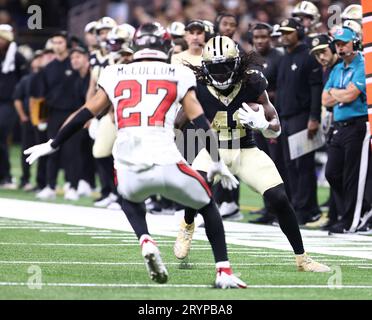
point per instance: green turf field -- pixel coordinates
(40, 260)
(77, 266)
(249, 200)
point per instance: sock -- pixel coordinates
(215, 231)
(278, 200)
(136, 215)
(190, 215)
(223, 264)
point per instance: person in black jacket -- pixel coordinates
(273, 147)
(12, 67)
(57, 84)
(299, 87)
(29, 134)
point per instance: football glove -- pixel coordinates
(255, 120)
(38, 151)
(228, 181)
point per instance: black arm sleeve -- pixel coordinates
(210, 144)
(74, 125)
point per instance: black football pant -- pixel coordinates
(8, 118)
(68, 156)
(88, 167)
(105, 169)
(300, 172)
(28, 139)
(343, 167)
(41, 174)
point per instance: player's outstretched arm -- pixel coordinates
(261, 116)
(75, 122)
(194, 112)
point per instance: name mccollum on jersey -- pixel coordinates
(137, 70)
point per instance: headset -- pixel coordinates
(357, 43)
(331, 44)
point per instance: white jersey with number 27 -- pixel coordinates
(145, 96)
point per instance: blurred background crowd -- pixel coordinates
(55, 68)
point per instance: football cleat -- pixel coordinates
(226, 280)
(305, 263)
(182, 245)
(153, 261)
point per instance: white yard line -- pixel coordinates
(106, 263)
(245, 234)
(164, 286)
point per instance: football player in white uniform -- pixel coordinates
(145, 96)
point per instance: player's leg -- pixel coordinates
(186, 186)
(135, 187)
(257, 170)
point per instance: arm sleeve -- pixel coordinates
(359, 79)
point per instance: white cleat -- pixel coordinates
(46, 194)
(305, 263)
(71, 194)
(153, 261)
(84, 189)
(230, 211)
(226, 280)
(105, 202)
(182, 245)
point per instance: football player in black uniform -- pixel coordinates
(234, 98)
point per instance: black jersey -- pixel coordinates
(98, 62)
(222, 111)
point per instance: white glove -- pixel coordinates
(254, 119)
(38, 151)
(228, 180)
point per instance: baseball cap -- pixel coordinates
(344, 34)
(290, 25)
(319, 42)
(80, 49)
(195, 24)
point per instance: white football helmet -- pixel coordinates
(105, 23)
(90, 27)
(353, 12)
(220, 61)
(306, 8)
(176, 29)
(119, 41)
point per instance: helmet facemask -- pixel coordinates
(221, 74)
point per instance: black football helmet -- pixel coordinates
(151, 41)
